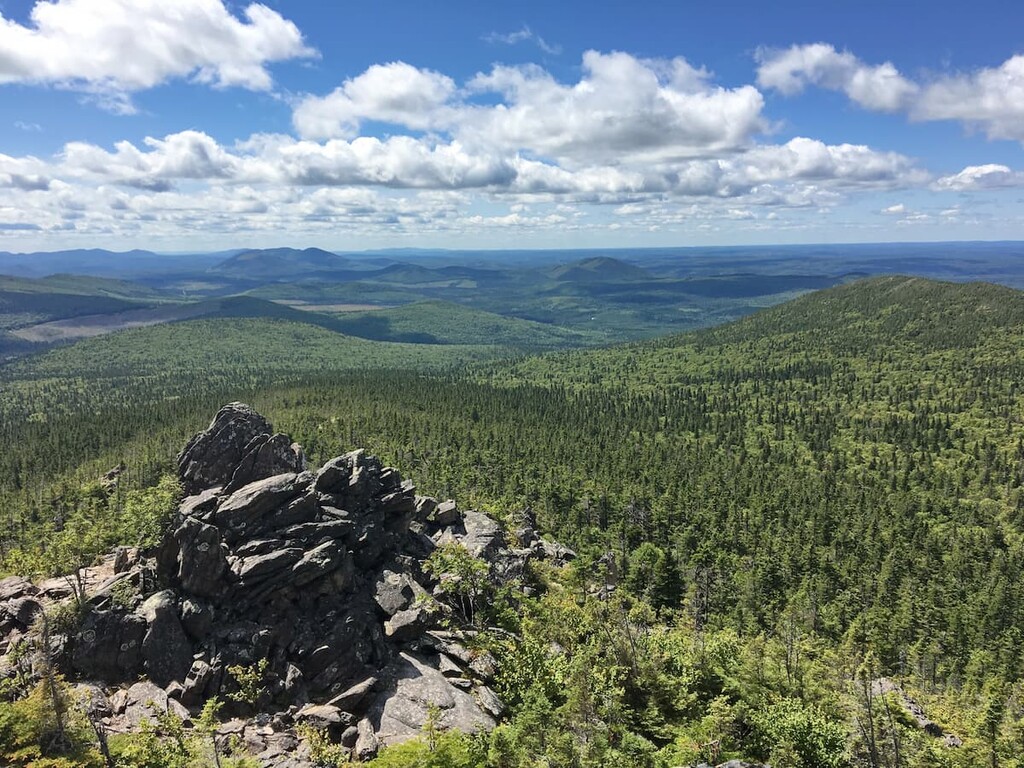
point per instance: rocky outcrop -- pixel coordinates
(317, 575)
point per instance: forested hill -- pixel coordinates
(794, 510)
(886, 310)
(884, 317)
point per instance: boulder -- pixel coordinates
(447, 513)
(212, 456)
(240, 515)
(252, 570)
(394, 592)
(166, 649)
(14, 586)
(318, 562)
(266, 456)
(483, 535)
(350, 699)
(22, 610)
(201, 561)
(412, 687)
(196, 682)
(196, 618)
(408, 624)
(108, 646)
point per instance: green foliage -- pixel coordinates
(45, 729)
(463, 578)
(790, 731)
(450, 749)
(251, 681)
(322, 751)
(165, 742)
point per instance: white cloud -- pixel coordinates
(111, 48)
(623, 109)
(525, 34)
(873, 87)
(991, 100)
(392, 93)
(989, 176)
(988, 99)
(895, 210)
(814, 161)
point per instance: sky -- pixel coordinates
(206, 124)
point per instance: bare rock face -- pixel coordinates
(237, 448)
(318, 573)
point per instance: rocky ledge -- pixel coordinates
(314, 581)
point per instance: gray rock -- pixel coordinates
(108, 646)
(258, 547)
(22, 610)
(266, 456)
(201, 561)
(349, 737)
(321, 716)
(196, 681)
(201, 503)
(144, 700)
(212, 456)
(125, 558)
(408, 624)
(483, 536)
(166, 649)
(394, 592)
(425, 507)
(251, 570)
(240, 515)
(304, 509)
(447, 666)
(413, 687)
(318, 562)
(14, 586)
(351, 698)
(367, 744)
(318, 531)
(196, 619)
(489, 702)
(447, 513)
(334, 475)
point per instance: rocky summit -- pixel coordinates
(312, 585)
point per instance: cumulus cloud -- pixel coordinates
(622, 109)
(395, 93)
(879, 87)
(988, 99)
(656, 141)
(113, 47)
(989, 176)
(991, 100)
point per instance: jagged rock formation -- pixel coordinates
(319, 573)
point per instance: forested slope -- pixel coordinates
(828, 486)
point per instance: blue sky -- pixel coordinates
(202, 125)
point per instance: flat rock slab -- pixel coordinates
(413, 686)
